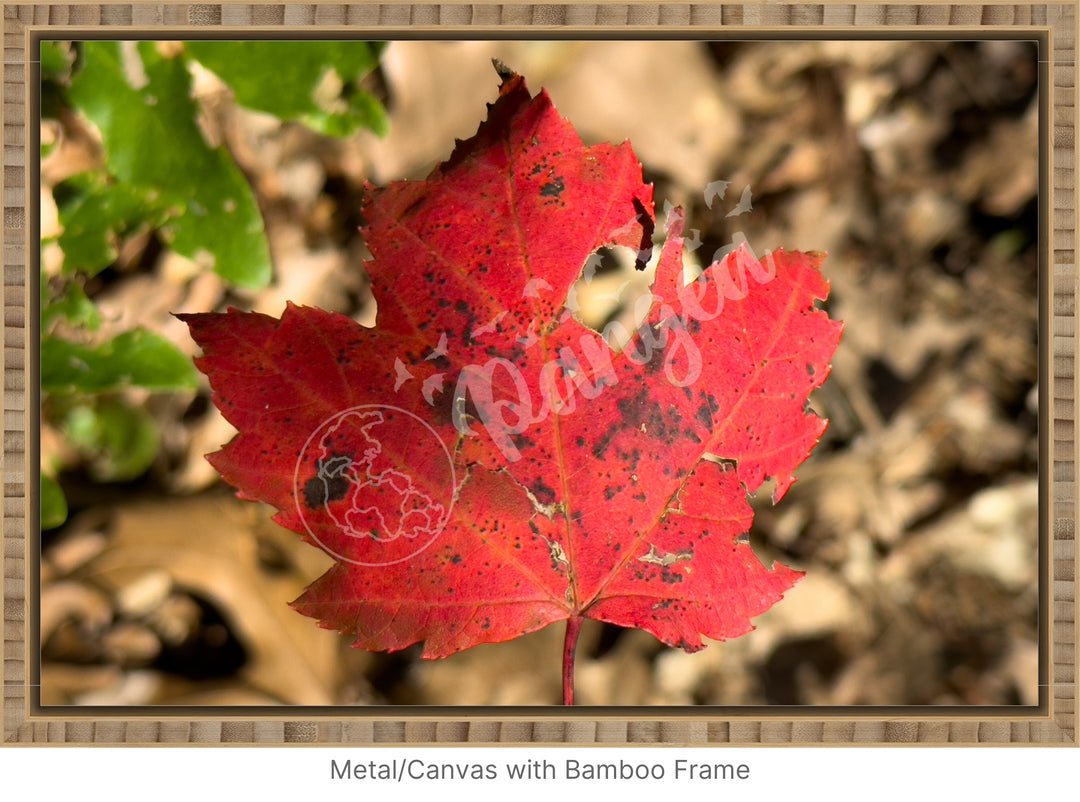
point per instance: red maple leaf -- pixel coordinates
(480, 463)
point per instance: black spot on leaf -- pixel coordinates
(553, 188)
(543, 493)
(328, 484)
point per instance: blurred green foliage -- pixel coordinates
(97, 214)
(136, 358)
(311, 82)
(141, 102)
(161, 176)
(118, 439)
(54, 508)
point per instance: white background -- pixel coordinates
(776, 773)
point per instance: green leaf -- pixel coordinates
(119, 440)
(70, 304)
(96, 214)
(137, 358)
(312, 82)
(54, 509)
(55, 59)
(141, 102)
(364, 111)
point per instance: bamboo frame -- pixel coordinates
(1054, 721)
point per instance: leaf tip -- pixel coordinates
(505, 73)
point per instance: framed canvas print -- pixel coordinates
(413, 373)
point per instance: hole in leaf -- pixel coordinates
(611, 296)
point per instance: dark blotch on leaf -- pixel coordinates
(602, 444)
(441, 361)
(315, 493)
(522, 442)
(543, 493)
(704, 414)
(553, 188)
(632, 411)
(328, 484)
(671, 577)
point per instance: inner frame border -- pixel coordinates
(1052, 721)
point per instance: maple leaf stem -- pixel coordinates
(573, 629)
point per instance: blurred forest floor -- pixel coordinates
(913, 164)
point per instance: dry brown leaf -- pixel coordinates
(209, 545)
